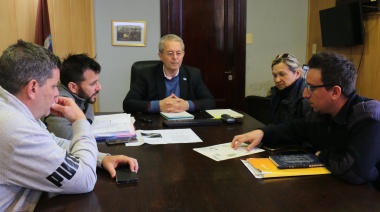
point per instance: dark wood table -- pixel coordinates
(174, 177)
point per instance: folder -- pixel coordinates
(267, 169)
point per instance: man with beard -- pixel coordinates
(79, 81)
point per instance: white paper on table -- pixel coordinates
(139, 142)
(224, 151)
(169, 136)
(114, 124)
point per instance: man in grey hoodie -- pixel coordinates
(32, 160)
(80, 82)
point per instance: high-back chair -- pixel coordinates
(257, 107)
(141, 65)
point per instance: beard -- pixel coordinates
(88, 98)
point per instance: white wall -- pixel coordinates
(116, 61)
(277, 26)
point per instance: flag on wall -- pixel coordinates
(43, 34)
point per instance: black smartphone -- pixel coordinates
(121, 141)
(125, 175)
(228, 119)
(279, 147)
(146, 120)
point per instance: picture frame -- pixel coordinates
(128, 33)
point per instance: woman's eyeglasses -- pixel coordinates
(284, 56)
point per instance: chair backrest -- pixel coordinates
(258, 107)
(141, 65)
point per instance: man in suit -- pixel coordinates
(169, 86)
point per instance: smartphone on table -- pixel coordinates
(121, 140)
(125, 175)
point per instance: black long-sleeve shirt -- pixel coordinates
(349, 143)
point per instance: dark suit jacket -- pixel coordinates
(150, 85)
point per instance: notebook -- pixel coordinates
(296, 161)
(177, 116)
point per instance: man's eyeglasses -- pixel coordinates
(310, 88)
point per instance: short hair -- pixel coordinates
(171, 37)
(290, 60)
(74, 66)
(335, 70)
(22, 62)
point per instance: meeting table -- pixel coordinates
(174, 177)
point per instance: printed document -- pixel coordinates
(225, 151)
(169, 136)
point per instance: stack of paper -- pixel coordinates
(177, 116)
(113, 126)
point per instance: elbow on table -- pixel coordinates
(90, 183)
(84, 186)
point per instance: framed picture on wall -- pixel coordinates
(128, 33)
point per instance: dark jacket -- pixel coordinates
(150, 85)
(349, 143)
(288, 104)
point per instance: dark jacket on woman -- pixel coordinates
(288, 104)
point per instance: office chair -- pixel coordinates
(141, 65)
(257, 107)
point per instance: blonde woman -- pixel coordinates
(287, 101)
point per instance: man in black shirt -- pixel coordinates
(343, 128)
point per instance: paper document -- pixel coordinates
(217, 113)
(169, 136)
(115, 125)
(139, 142)
(225, 151)
(257, 173)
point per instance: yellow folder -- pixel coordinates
(268, 169)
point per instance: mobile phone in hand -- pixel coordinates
(125, 175)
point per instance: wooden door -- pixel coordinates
(214, 35)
